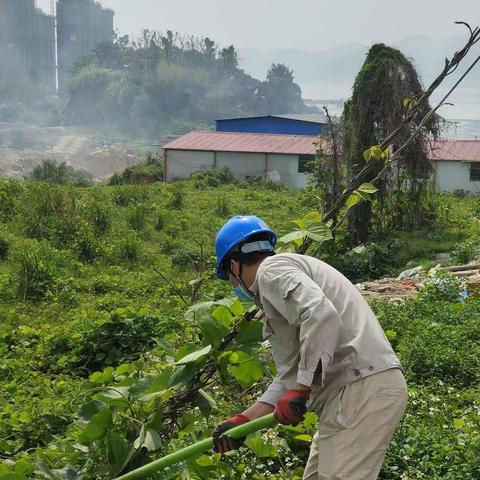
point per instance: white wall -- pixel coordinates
(453, 175)
(283, 168)
(287, 167)
(182, 163)
(242, 164)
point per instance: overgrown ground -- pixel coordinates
(94, 287)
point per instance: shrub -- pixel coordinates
(222, 208)
(462, 193)
(100, 216)
(440, 286)
(177, 199)
(361, 263)
(61, 174)
(39, 266)
(137, 216)
(9, 192)
(86, 246)
(116, 179)
(49, 212)
(4, 248)
(213, 178)
(160, 222)
(465, 251)
(130, 248)
(126, 195)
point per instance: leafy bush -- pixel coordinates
(178, 197)
(126, 195)
(137, 216)
(10, 190)
(86, 246)
(61, 174)
(129, 248)
(440, 286)
(462, 193)
(465, 251)
(4, 248)
(50, 212)
(100, 216)
(213, 178)
(160, 222)
(39, 266)
(362, 263)
(222, 208)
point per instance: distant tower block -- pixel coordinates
(81, 26)
(27, 45)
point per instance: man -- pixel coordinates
(330, 351)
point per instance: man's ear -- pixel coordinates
(235, 267)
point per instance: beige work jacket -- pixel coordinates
(322, 332)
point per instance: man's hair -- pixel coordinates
(248, 258)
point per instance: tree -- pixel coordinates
(228, 60)
(283, 95)
(384, 90)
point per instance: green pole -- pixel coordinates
(202, 446)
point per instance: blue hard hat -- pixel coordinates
(237, 230)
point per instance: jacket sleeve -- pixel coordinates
(303, 304)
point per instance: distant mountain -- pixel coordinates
(338, 66)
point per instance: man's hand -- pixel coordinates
(291, 408)
(222, 443)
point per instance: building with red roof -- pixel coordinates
(457, 165)
(282, 158)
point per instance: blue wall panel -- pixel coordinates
(270, 125)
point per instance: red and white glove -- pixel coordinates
(291, 407)
(223, 443)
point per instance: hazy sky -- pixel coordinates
(305, 24)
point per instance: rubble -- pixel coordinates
(410, 281)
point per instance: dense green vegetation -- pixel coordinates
(98, 333)
(155, 84)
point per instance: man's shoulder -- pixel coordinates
(284, 262)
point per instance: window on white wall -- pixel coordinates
(303, 161)
(475, 172)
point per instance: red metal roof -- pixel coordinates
(245, 142)
(458, 150)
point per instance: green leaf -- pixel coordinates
(303, 438)
(292, 236)
(458, 422)
(204, 402)
(406, 102)
(319, 232)
(182, 376)
(367, 188)
(260, 447)
(367, 155)
(352, 200)
(249, 331)
(115, 397)
(213, 329)
(152, 440)
(88, 411)
(391, 334)
(312, 217)
(246, 369)
(195, 356)
(223, 315)
(154, 387)
(119, 452)
(97, 427)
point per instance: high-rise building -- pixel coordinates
(27, 44)
(81, 25)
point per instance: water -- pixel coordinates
(463, 116)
